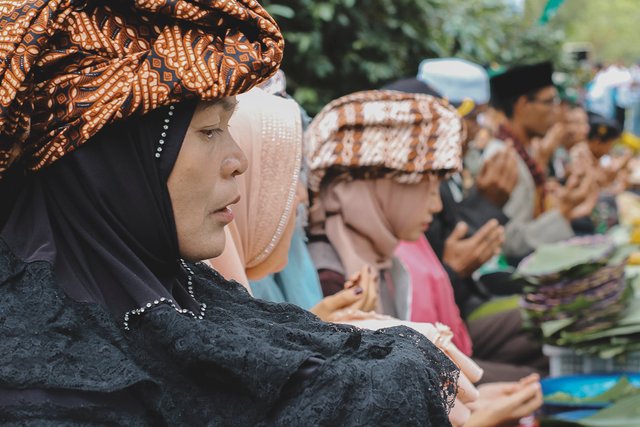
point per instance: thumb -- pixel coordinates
(344, 298)
(460, 231)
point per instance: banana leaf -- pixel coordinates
(552, 327)
(549, 261)
(624, 413)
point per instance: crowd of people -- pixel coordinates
(182, 244)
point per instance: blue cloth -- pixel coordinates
(297, 284)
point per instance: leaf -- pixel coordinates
(624, 413)
(281, 10)
(324, 11)
(552, 327)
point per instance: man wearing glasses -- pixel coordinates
(528, 106)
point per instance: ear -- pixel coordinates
(521, 104)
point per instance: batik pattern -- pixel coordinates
(69, 67)
(384, 133)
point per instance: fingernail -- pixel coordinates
(358, 290)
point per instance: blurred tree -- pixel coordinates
(609, 25)
(335, 47)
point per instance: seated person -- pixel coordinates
(526, 97)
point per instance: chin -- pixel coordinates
(209, 248)
(412, 237)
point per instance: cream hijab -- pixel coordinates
(361, 218)
(268, 129)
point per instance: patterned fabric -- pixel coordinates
(538, 175)
(384, 134)
(70, 67)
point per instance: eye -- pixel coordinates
(211, 133)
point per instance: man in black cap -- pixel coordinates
(527, 99)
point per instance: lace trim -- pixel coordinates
(168, 301)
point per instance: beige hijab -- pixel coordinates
(358, 149)
(268, 129)
(361, 218)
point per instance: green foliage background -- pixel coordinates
(611, 26)
(335, 47)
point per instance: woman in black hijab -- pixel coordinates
(106, 319)
(102, 320)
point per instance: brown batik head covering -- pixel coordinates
(383, 133)
(70, 67)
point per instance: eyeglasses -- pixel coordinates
(549, 102)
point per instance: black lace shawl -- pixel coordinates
(244, 364)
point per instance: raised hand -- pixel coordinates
(466, 255)
(543, 148)
(579, 196)
(499, 176)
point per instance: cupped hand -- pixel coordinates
(499, 176)
(503, 404)
(360, 295)
(579, 195)
(466, 255)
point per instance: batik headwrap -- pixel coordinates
(383, 134)
(69, 67)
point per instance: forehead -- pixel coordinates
(548, 91)
(226, 104)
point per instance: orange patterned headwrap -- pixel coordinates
(70, 67)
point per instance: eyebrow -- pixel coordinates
(227, 104)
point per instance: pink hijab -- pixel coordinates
(268, 129)
(432, 293)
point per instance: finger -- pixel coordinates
(371, 277)
(486, 230)
(484, 170)
(531, 404)
(513, 165)
(502, 165)
(459, 414)
(344, 298)
(372, 301)
(527, 393)
(529, 379)
(467, 366)
(466, 391)
(353, 280)
(460, 231)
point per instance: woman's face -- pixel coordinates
(411, 213)
(202, 183)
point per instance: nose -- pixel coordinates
(236, 162)
(436, 203)
(436, 200)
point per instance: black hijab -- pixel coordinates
(103, 218)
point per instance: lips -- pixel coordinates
(225, 214)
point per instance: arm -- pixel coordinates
(523, 237)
